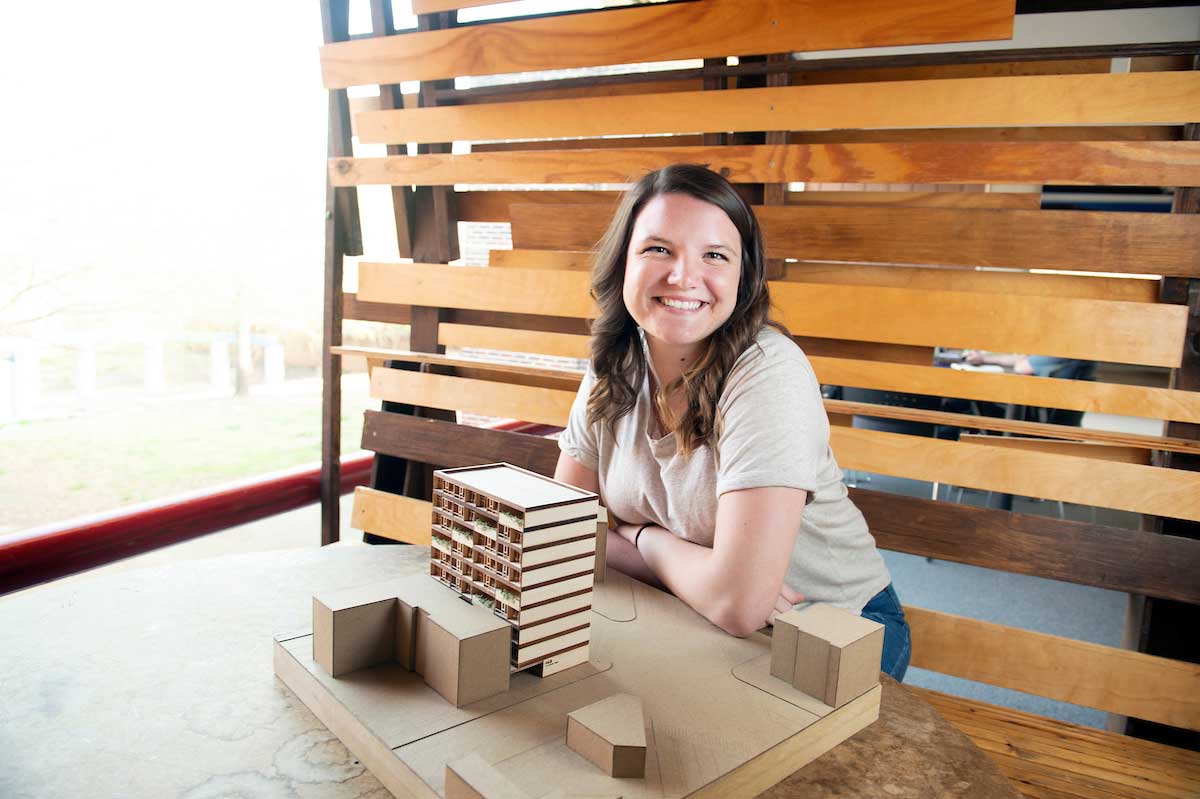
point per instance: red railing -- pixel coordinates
(33, 556)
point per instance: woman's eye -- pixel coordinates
(715, 254)
(655, 249)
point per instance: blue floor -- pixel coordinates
(1032, 603)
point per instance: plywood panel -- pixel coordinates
(1089, 163)
(1084, 481)
(1092, 241)
(1115, 680)
(391, 516)
(1150, 98)
(657, 33)
(1046, 392)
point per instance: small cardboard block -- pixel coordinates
(612, 734)
(837, 653)
(472, 777)
(354, 628)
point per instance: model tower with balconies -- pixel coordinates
(524, 546)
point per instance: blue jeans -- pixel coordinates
(885, 608)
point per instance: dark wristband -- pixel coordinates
(638, 534)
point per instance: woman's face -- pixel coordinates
(682, 270)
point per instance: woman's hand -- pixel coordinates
(786, 600)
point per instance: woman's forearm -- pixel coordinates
(691, 572)
(620, 555)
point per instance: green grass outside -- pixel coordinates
(51, 470)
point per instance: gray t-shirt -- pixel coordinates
(775, 433)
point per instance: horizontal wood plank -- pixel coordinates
(1134, 561)
(492, 206)
(1115, 680)
(1091, 241)
(1017, 427)
(562, 345)
(526, 403)
(576, 260)
(1089, 163)
(1083, 449)
(712, 28)
(1137, 333)
(1149, 98)
(391, 516)
(1084, 481)
(1028, 200)
(1044, 392)
(1085, 133)
(449, 445)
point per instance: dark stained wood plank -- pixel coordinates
(714, 28)
(447, 445)
(1139, 243)
(1077, 552)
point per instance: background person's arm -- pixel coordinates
(738, 584)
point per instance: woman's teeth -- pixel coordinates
(687, 306)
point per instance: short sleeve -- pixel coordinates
(579, 438)
(774, 430)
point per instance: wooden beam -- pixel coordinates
(449, 445)
(1091, 241)
(657, 33)
(1149, 98)
(492, 206)
(1101, 677)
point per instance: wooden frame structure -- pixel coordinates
(869, 280)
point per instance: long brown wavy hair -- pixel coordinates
(617, 358)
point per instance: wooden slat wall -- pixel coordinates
(913, 285)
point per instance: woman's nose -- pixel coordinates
(682, 272)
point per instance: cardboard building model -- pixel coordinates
(524, 547)
(828, 653)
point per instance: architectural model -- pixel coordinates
(828, 653)
(612, 734)
(524, 547)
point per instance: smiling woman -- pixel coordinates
(700, 423)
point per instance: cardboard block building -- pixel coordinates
(523, 546)
(828, 653)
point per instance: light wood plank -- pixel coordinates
(1114, 680)
(1084, 449)
(1091, 241)
(1089, 163)
(392, 516)
(1083, 481)
(713, 28)
(492, 206)
(1150, 98)
(534, 291)
(1043, 392)
(1077, 434)
(563, 345)
(986, 281)
(578, 261)
(1030, 134)
(527, 403)
(1136, 333)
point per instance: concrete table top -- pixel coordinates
(159, 682)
